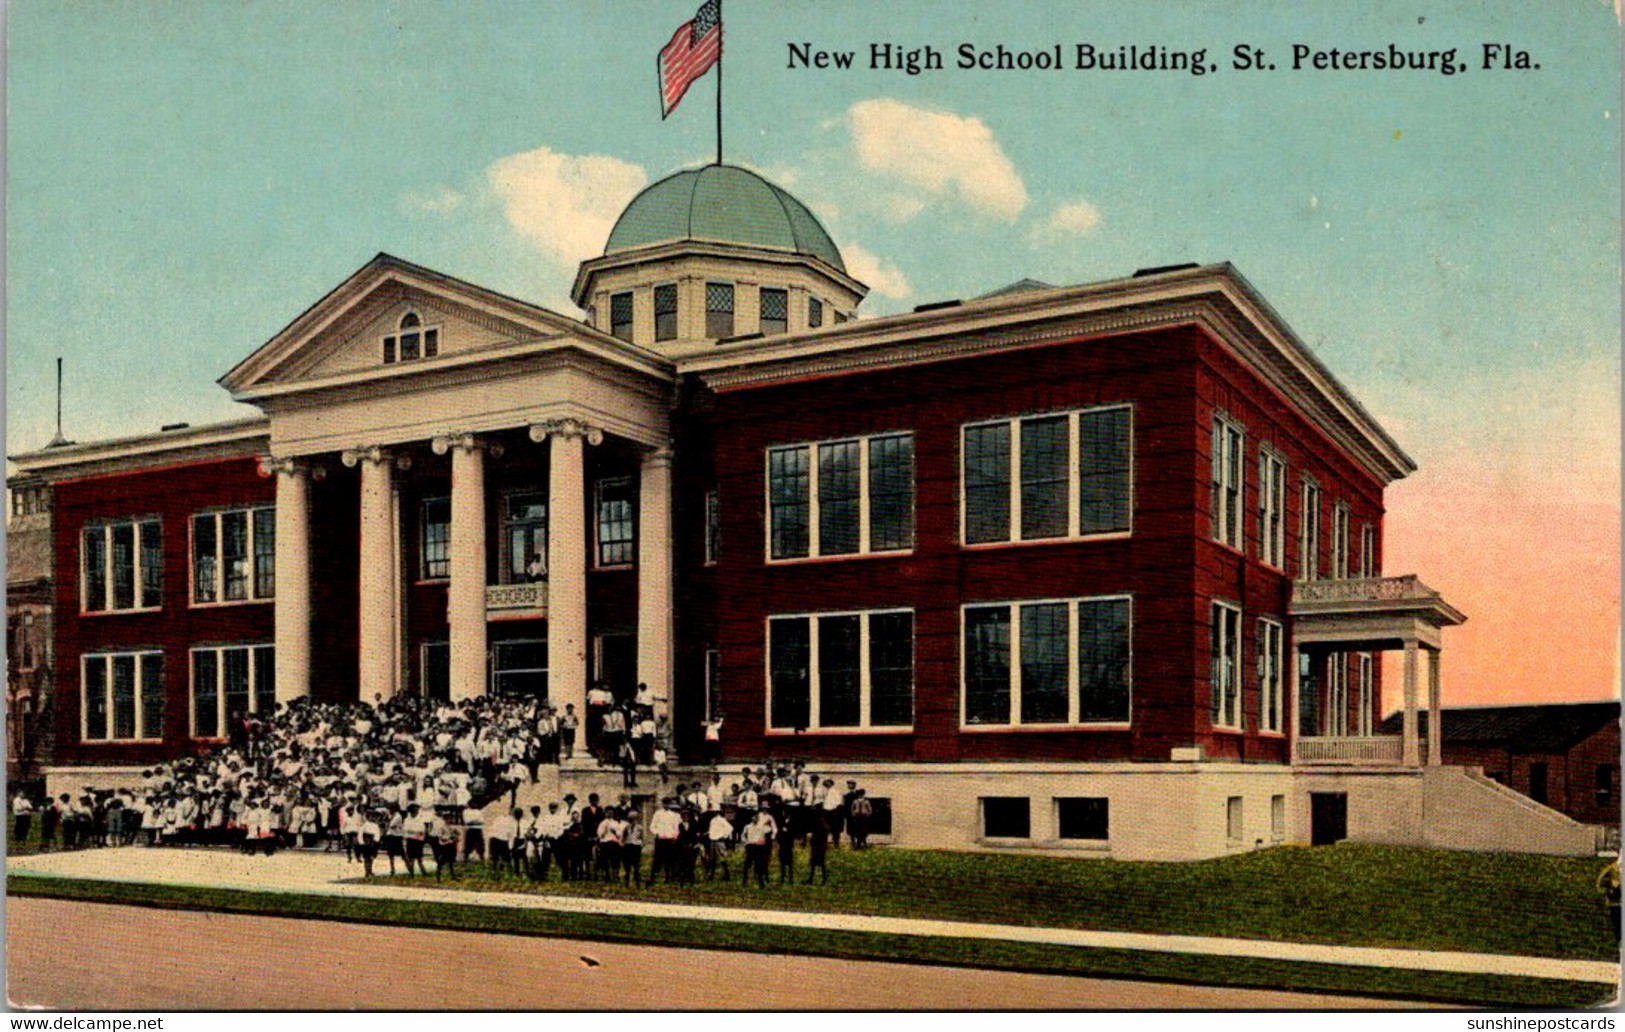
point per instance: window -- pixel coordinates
(1271, 640)
(775, 310)
(122, 697)
(122, 566)
(1054, 663)
(617, 535)
(1367, 687)
(1309, 532)
(841, 317)
(815, 313)
(1277, 818)
(1227, 486)
(1083, 817)
(1065, 475)
(666, 312)
(1272, 509)
(713, 684)
(1309, 724)
(1368, 551)
(1340, 541)
(229, 682)
(857, 498)
(519, 668)
(234, 555)
(719, 310)
(411, 340)
(620, 315)
(525, 530)
(1007, 817)
(713, 527)
(841, 670)
(1337, 694)
(436, 536)
(1233, 819)
(1605, 784)
(1226, 666)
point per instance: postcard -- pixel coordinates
(686, 506)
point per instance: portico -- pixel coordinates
(1332, 618)
(479, 477)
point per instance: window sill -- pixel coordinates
(431, 582)
(231, 603)
(1225, 729)
(614, 568)
(121, 741)
(1272, 734)
(120, 612)
(1044, 728)
(990, 546)
(811, 731)
(896, 553)
(1232, 549)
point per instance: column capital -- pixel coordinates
(271, 466)
(661, 455)
(376, 455)
(566, 428)
(464, 441)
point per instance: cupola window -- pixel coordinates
(719, 310)
(666, 312)
(775, 310)
(620, 316)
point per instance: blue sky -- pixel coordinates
(186, 177)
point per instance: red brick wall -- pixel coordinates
(1225, 386)
(173, 495)
(1155, 372)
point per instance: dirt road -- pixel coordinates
(74, 955)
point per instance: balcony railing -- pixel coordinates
(1375, 749)
(513, 600)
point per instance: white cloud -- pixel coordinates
(938, 153)
(439, 200)
(1073, 219)
(883, 279)
(564, 204)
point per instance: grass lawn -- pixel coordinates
(1352, 895)
(1472, 990)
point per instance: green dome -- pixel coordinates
(722, 204)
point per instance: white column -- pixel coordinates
(378, 610)
(465, 595)
(1435, 716)
(1411, 755)
(1294, 728)
(655, 575)
(291, 613)
(567, 563)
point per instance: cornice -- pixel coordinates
(1215, 298)
(245, 437)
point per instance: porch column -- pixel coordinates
(465, 594)
(1410, 756)
(655, 575)
(1435, 717)
(379, 612)
(1294, 725)
(291, 613)
(567, 561)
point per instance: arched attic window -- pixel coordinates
(412, 340)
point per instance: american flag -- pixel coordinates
(692, 51)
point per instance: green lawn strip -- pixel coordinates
(1396, 984)
(1348, 895)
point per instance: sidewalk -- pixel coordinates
(320, 874)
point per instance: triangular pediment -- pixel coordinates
(358, 329)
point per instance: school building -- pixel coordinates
(1091, 569)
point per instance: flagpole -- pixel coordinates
(720, 42)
